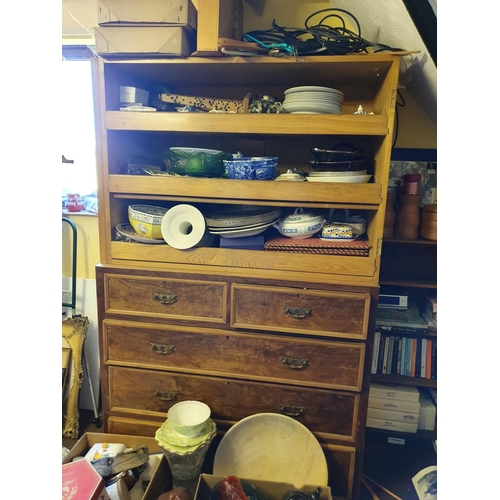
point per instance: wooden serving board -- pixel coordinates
(209, 103)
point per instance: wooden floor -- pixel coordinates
(390, 465)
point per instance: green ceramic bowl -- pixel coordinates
(196, 162)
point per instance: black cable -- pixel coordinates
(321, 38)
(396, 118)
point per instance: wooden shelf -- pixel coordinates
(410, 283)
(403, 380)
(366, 196)
(399, 241)
(276, 124)
(420, 434)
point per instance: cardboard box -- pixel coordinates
(428, 412)
(144, 41)
(217, 19)
(161, 481)
(398, 416)
(267, 489)
(401, 392)
(394, 404)
(80, 481)
(391, 425)
(146, 12)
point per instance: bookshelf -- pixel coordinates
(412, 265)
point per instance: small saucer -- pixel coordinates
(336, 239)
(170, 437)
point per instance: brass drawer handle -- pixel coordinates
(165, 299)
(162, 349)
(295, 363)
(165, 396)
(298, 313)
(292, 411)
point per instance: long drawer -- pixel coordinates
(153, 392)
(340, 459)
(179, 299)
(307, 312)
(287, 360)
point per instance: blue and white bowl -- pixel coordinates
(252, 168)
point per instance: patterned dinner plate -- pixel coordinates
(125, 232)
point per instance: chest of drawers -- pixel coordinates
(251, 346)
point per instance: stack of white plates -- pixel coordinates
(242, 221)
(313, 100)
(356, 177)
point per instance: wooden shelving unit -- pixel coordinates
(230, 320)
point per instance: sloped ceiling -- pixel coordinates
(382, 21)
(389, 22)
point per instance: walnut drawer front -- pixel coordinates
(152, 392)
(314, 363)
(308, 312)
(179, 299)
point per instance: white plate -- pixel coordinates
(312, 89)
(361, 179)
(319, 108)
(127, 231)
(242, 218)
(271, 447)
(183, 226)
(345, 173)
(319, 97)
(239, 233)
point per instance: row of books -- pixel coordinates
(396, 354)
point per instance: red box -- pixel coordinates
(80, 481)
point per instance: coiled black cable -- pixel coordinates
(320, 38)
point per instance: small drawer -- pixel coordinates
(307, 312)
(174, 299)
(314, 363)
(152, 392)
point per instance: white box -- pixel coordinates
(428, 412)
(146, 13)
(392, 425)
(394, 404)
(398, 416)
(130, 95)
(401, 392)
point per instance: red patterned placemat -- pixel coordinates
(358, 247)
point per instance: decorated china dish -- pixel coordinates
(146, 219)
(242, 218)
(125, 232)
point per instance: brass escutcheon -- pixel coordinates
(164, 299)
(292, 411)
(166, 396)
(295, 363)
(162, 349)
(297, 312)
